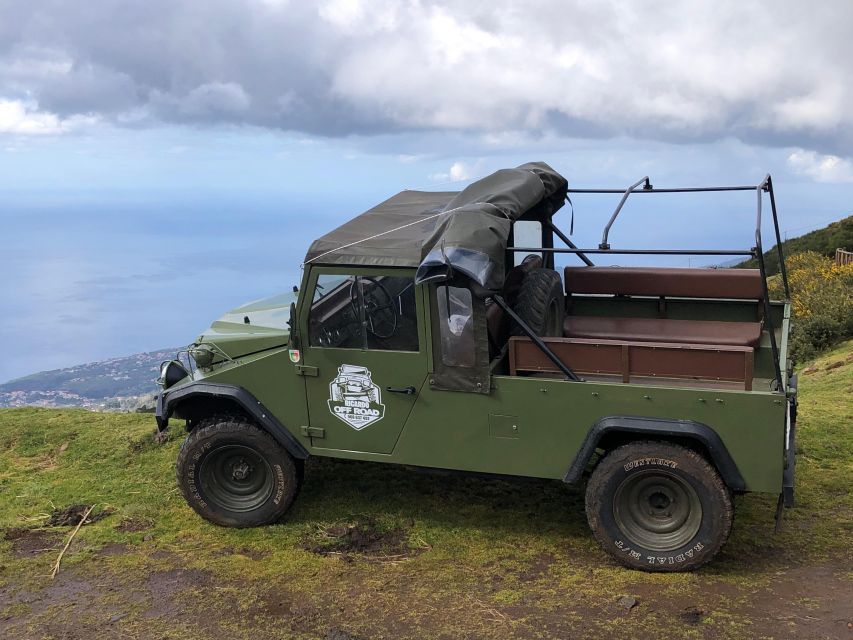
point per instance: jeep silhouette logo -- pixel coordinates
(354, 398)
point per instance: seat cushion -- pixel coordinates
(738, 334)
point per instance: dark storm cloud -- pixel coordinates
(698, 71)
(186, 62)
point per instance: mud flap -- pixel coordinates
(786, 498)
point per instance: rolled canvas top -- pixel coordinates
(443, 232)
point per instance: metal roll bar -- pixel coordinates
(757, 252)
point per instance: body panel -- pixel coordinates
(525, 426)
(270, 377)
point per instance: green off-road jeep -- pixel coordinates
(434, 331)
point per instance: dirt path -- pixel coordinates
(165, 596)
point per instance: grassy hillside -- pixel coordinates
(373, 552)
(824, 241)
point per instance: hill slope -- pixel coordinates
(467, 557)
(116, 384)
(825, 241)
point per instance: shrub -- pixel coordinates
(822, 301)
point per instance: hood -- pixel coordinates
(266, 327)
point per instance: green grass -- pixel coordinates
(484, 558)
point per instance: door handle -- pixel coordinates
(409, 391)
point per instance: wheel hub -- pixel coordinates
(236, 477)
(241, 470)
(659, 502)
(657, 510)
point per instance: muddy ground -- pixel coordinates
(144, 591)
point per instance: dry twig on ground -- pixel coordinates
(68, 542)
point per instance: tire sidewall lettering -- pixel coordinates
(650, 462)
(638, 554)
(279, 484)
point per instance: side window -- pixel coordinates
(526, 233)
(334, 318)
(456, 325)
(364, 312)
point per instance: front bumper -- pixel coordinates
(160, 413)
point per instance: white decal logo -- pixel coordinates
(354, 398)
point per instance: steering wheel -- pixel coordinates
(379, 309)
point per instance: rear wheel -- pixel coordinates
(540, 303)
(236, 475)
(658, 506)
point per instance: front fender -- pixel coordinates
(170, 399)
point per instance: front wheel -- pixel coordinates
(658, 506)
(234, 474)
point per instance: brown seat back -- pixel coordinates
(742, 284)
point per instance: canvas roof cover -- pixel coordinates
(440, 233)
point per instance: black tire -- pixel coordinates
(540, 303)
(236, 475)
(658, 506)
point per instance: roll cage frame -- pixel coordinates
(757, 251)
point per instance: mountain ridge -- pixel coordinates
(835, 235)
(125, 383)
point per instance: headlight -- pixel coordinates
(171, 372)
(202, 355)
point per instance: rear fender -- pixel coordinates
(640, 428)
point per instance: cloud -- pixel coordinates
(821, 168)
(458, 172)
(21, 118)
(687, 72)
(216, 97)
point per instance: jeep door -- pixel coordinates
(364, 356)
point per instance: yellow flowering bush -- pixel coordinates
(822, 301)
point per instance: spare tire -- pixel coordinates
(540, 303)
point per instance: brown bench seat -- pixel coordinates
(737, 334)
(663, 283)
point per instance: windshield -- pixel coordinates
(328, 284)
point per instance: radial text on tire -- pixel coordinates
(658, 506)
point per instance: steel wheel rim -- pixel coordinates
(236, 478)
(657, 510)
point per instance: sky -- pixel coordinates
(162, 162)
